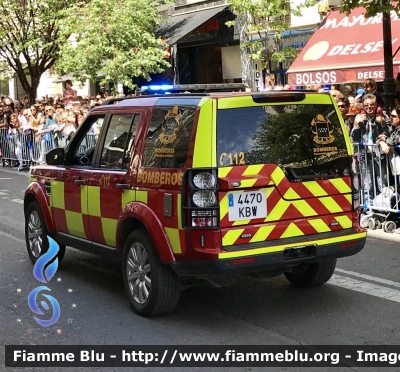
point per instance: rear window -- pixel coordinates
(306, 141)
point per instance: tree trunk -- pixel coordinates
(32, 91)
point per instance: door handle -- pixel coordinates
(80, 182)
(123, 186)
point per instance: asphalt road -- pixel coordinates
(360, 305)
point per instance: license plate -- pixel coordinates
(247, 205)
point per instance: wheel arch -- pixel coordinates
(35, 193)
(139, 215)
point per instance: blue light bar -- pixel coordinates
(163, 87)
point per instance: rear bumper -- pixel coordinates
(267, 262)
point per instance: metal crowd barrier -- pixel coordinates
(380, 190)
(22, 150)
(380, 173)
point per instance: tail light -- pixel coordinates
(356, 181)
(200, 198)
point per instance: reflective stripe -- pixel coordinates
(223, 172)
(277, 248)
(75, 224)
(319, 225)
(127, 197)
(291, 231)
(173, 236)
(278, 211)
(340, 185)
(315, 188)
(262, 233)
(277, 176)
(253, 170)
(84, 200)
(231, 236)
(57, 195)
(223, 207)
(344, 221)
(141, 196)
(330, 204)
(94, 201)
(109, 226)
(205, 152)
(291, 194)
(304, 208)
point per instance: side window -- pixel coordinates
(83, 144)
(118, 145)
(168, 138)
(90, 139)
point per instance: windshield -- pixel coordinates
(306, 141)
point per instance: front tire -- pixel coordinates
(312, 275)
(152, 287)
(36, 234)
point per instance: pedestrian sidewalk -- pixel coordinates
(380, 234)
(377, 234)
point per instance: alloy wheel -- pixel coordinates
(35, 234)
(139, 273)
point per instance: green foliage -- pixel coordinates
(372, 7)
(30, 39)
(114, 40)
(265, 24)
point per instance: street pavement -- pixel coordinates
(358, 306)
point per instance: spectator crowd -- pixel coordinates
(37, 128)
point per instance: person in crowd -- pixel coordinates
(336, 94)
(14, 122)
(350, 118)
(371, 88)
(69, 128)
(343, 104)
(85, 110)
(34, 118)
(70, 95)
(394, 137)
(352, 99)
(359, 99)
(368, 129)
(79, 119)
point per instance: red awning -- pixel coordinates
(345, 49)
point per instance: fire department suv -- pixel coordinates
(205, 186)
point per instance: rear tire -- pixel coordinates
(152, 287)
(36, 236)
(312, 275)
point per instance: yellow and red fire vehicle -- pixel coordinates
(205, 186)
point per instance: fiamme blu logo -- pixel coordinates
(44, 269)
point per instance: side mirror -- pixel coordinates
(55, 156)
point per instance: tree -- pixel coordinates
(114, 40)
(266, 19)
(30, 39)
(372, 7)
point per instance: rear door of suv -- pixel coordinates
(284, 169)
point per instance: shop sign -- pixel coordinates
(339, 76)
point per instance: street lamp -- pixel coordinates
(389, 84)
